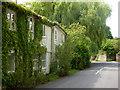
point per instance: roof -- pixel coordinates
(60, 28)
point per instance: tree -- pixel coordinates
(111, 47)
(108, 34)
(63, 55)
(92, 15)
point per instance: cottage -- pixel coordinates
(25, 35)
(52, 36)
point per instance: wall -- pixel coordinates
(46, 41)
(102, 57)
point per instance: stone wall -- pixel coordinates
(102, 57)
(117, 57)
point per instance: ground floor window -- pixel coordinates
(35, 59)
(11, 61)
(44, 61)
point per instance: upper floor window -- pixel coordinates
(31, 24)
(43, 30)
(63, 38)
(11, 20)
(56, 37)
(31, 27)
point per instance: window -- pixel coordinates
(11, 20)
(35, 59)
(31, 27)
(56, 36)
(11, 62)
(63, 38)
(43, 30)
(44, 61)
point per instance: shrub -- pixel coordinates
(52, 77)
(119, 53)
(109, 59)
(81, 57)
(63, 57)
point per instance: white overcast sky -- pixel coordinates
(112, 21)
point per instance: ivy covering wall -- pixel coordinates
(24, 75)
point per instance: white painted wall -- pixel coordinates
(50, 43)
(61, 35)
(46, 41)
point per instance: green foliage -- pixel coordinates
(41, 78)
(81, 57)
(63, 55)
(72, 71)
(24, 50)
(119, 53)
(92, 15)
(52, 77)
(111, 47)
(9, 79)
(108, 33)
(109, 59)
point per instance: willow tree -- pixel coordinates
(92, 15)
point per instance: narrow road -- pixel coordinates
(99, 75)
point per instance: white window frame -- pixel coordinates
(12, 51)
(45, 62)
(10, 21)
(31, 31)
(44, 31)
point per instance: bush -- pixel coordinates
(119, 53)
(109, 59)
(81, 57)
(41, 78)
(52, 77)
(63, 57)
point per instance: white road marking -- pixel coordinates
(99, 70)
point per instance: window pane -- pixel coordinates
(63, 38)
(43, 30)
(8, 16)
(30, 26)
(35, 56)
(30, 19)
(35, 59)
(43, 56)
(11, 62)
(43, 64)
(35, 65)
(8, 24)
(55, 34)
(13, 26)
(12, 17)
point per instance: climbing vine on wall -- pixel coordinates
(24, 49)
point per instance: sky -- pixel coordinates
(112, 21)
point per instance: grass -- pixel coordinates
(72, 71)
(52, 77)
